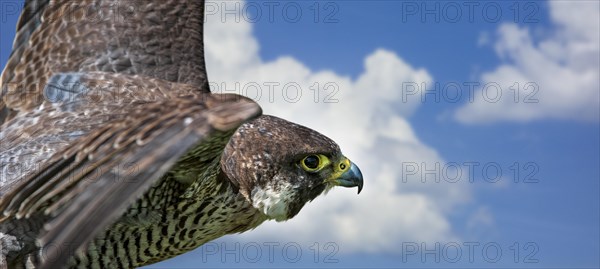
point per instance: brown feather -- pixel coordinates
(102, 35)
(149, 125)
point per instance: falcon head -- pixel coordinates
(279, 166)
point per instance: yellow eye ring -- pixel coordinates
(314, 162)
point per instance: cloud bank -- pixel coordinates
(367, 117)
(557, 77)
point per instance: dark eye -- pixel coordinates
(311, 161)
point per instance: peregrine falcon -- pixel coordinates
(114, 153)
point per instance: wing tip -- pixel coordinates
(228, 111)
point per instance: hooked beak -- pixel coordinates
(350, 178)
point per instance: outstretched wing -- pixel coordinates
(81, 184)
(93, 85)
(160, 39)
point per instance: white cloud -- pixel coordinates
(563, 66)
(368, 121)
(480, 224)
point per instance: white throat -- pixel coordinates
(273, 203)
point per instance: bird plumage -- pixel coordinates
(116, 154)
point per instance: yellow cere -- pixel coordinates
(339, 168)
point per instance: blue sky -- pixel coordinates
(554, 144)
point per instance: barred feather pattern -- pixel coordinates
(169, 220)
